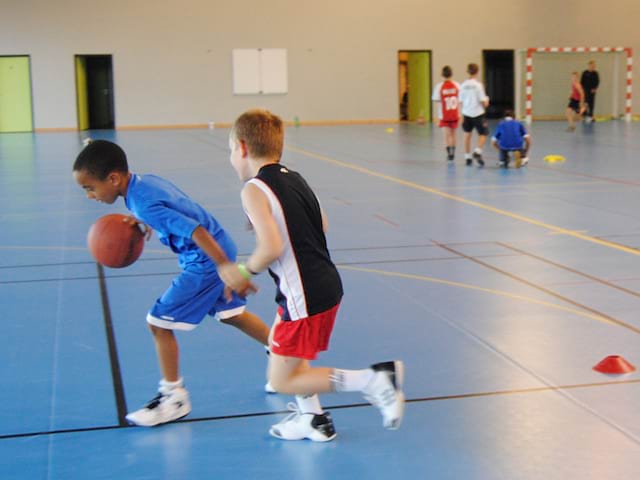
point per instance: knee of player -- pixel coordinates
(160, 332)
(230, 320)
(280, 384)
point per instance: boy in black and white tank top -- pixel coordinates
(289, 225)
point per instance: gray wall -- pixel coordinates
(172, 59)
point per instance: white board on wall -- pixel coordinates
(260, 71)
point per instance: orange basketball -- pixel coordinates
(113, 242)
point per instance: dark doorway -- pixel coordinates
(499, 78)
(94, 86)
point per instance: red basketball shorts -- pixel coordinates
(453, 124)
(305, 337)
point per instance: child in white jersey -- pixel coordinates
(474, 101)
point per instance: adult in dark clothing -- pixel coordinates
(590, 81)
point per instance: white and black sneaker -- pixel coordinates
(478, 158)
(300, 426)
(166, 406)
(385, 392)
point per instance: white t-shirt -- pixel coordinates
(472, 95)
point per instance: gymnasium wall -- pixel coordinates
(172, 60)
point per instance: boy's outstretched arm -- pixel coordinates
(208, 244)
(269, 244)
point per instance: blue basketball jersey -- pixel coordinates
(174, 216)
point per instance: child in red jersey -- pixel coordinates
(446, 94)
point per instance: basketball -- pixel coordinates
(113, 242)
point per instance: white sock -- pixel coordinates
(351, 380)
(478, 150)
(167, 386)
(467, 156)
(309, 404)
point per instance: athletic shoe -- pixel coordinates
(268, 388)
(298, 426)
(385, 392)
(503, 165)
(468, 162)
(165, 407)
(524, 161)
(450, 157)
(478, 158)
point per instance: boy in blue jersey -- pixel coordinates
(289, 226)
(202, 245)
(511, 136)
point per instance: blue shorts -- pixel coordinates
(190, 298)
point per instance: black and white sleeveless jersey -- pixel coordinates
(307, 280)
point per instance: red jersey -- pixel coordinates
(575, 92)
(449, 93)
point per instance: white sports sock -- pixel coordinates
(166, 386)
(351, 380)
(478, 150)
(309, 404)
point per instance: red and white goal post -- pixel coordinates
(529, 77)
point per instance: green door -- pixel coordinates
(419, 79)
(82, 98)
(15, 95)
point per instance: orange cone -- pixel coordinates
(614, 364)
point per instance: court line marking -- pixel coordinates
(495, 393)
(569, 269)
(114, 361)
(512, 276)
(515, 296)
(435, 191)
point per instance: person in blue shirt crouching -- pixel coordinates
(511, 137)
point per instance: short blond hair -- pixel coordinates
(262, 132)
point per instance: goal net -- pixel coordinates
(545, 81)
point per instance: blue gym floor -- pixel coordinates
(500, 290)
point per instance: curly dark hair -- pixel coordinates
(101, 157)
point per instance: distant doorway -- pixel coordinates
(16, 111)
(94, 92)
(499, 79)
(414, 85)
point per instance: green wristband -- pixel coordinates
(244, 271)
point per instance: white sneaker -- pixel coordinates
(268, 388)
(298, 426)
(524, 160)
(165, 407)
(385, 392)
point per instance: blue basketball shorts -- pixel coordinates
(190, 298)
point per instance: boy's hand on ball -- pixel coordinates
(146, 230)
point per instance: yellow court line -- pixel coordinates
(456, 198)
(514, 296)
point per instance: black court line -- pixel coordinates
(569, 269)
(172, 257)
(611, 319)
(460, 396)
(176, 272)
(85, 262)
(118, 388)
